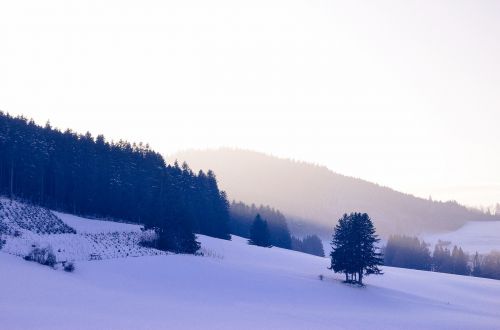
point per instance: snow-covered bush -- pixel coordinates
(69, 267)
(44, 256)
(148, 238)
(204, 252)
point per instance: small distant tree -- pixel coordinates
(354, 249)
(490, 267)
(460, 261)
(442, 261)
(259, 232)
(476, 265)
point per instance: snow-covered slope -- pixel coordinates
(70, 237)
(237, 286)
(21, 217)
(477, 236)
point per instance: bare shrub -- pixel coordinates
(69, 267)
(43, 256)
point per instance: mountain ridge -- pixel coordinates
(320, 196)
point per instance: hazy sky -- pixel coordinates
(402, 93)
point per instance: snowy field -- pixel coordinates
(480, 236)
(233, 286)
(237, 286)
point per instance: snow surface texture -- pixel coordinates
(237, 286)
(71, 238)
(478, 236)
(16, 216)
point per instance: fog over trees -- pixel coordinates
(242, 217)
(321, 196)
(411, 252)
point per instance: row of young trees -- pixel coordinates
(90, 176)
(411, 252)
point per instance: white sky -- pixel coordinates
(402, 93)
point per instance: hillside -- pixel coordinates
(237, 286)
(477, 236)
(71, 238)
(87, 175)
(318, 196)
(233, 285)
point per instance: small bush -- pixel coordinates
(69, 267)
(44, 256)
(149, 239)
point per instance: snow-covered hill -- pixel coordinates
(21, 217)
(70, 237)
(234, 286)
(477, 236)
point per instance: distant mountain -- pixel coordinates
(314, 197)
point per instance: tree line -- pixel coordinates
(91, 176)
(413, 253)
(266, 226)
(243, 216)
(310, 244)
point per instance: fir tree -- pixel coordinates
(259, 232)
(354, 250)
(476, 266)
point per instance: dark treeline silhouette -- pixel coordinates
(453, 261)
(487, 266)
(410, 252)
(318, 195)
(407, 252)
(310, 244)
(259, 232)
(90, 176)
(242, 217)
(354, 248)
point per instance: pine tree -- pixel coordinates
(242, 217)
(459, 261)
(476, 266)
(354, 248)
(442, 261)
(259, 232)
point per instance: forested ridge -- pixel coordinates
(87, 175)
(320, 196)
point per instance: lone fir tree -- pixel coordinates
(354, 250)
(259, 232)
